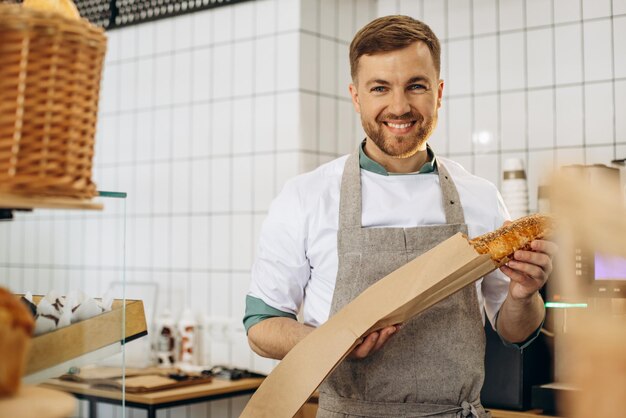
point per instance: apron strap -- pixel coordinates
(350, 199)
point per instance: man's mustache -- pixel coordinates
(407, 116)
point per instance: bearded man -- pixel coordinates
(333, 232)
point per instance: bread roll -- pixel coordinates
(16, 327)
(64, 7)
(503, 242)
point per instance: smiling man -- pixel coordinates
(333, 232)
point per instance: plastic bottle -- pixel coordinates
(166, 340)
(187, 330)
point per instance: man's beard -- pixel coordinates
(399, 146)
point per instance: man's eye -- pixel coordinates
(418, 87)
(378, 89)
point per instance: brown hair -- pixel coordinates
(390, 33)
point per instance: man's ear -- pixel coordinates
(355, 97)
(439, 93)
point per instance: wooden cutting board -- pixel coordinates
(149, 383)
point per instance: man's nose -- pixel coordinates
(399, 104)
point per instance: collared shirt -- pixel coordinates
(296, 265)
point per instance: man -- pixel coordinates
(319, 249)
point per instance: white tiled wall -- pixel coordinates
(204, 116)
(545, 79)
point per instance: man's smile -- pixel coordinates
(399, 128)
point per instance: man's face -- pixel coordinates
(398, 94)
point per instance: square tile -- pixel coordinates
(127, 85)
(540, 57)
(182, 78)
(513, 121)
(163, 78)
(288, 61)
(512, 63)
(264, 180)
(181, 257)
(200, 185)
(485, 16)
(511, 15)
(386, 7)
(222, 71)
(459, 64)
(328, 125)
(309, 126)
(181, 193)
(127, 43)
(199, 236)
(221, 236)
(106, 140)
(145, 39)
(161, 242)
(328, 67)
(243, 134)
(111, 249)
(569, 156)
(145, 83)
(202, 28)
(439, 138)
(619, 46)
(568, 54)
(459, 19)
(243, 68)
(599, 155)
(243, 16)
(486, 114)
(126, 138)
(345, 15)
(287, 137)
(222, 25)
(242, 183)
(287, 167)
(538, 13)
(460, 115)
(619, 7)
(599, 113)
(265, 17)
(596, 8)
(346, 139)
(566, 11)
(201, 74)
(265, 65)
(569, 116)
(241, 245)
(201, 130)
(183, 31)
(485, 64)
(222, 128)
(143, 189)
(109, 88)
(309, 11)
(162, 134)
(221, 187)
(264, 123)
(328, 18)
(620, 109)
(162, 178)
(540, 119)
(598, 52)
(309, 67)
(435, 17)
(487, 166)
(539, 172)
(164, 36)
(113, 51)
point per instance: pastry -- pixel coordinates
(517, 235)
(64, 7)
(16, 327)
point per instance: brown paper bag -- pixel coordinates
(397, 297)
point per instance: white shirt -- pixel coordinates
(297, 262)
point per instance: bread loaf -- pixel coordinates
(503, 242)
(64, 7)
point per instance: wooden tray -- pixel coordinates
(61, 345)
(149, 383)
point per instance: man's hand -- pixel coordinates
(529, 270)
(373, 342)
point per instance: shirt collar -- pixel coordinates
(368, 164)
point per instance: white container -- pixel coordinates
(165, 346)
(187, 329)
(515, 187)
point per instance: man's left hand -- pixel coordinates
(529, 270)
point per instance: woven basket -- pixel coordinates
(50, 69)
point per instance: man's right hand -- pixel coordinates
(373, 342)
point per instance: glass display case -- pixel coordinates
(67, 257)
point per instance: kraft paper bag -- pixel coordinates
(397, 297)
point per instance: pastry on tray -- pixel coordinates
(16, 327)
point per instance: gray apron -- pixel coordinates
(433, 366)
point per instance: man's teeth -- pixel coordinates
(399, 126)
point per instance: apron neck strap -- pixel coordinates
(350, 199)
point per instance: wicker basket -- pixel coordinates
(50, 69)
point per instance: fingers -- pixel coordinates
(373, 342)
(544, 246)
(541, 260)
(517, 276)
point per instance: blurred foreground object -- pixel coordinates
(64, 7)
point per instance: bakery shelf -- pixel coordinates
(17, 201)
(85, 341)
